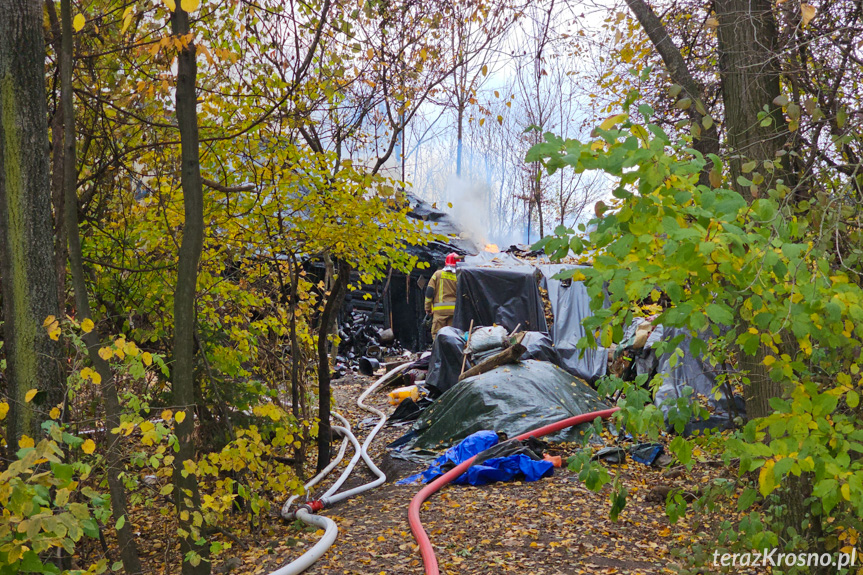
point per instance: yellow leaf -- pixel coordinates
(127, 19)
(87, 325)
(846, 491)
(26, 441)
(54, 334)
(4, 409)
(48, 321)
(171, 6)
(807, 13)
(180, 417)
(147, 358)
(611, 121)
(769, 360)
(766, 479)
(130, 348)
(78, 22)
(167, 414)
(106, 353)
(28, 397)
(88, 447)
(95, 377)
(190, 5)
(55, 413)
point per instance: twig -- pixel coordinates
(464, 353)
(513, 331)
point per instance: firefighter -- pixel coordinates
(440, 295)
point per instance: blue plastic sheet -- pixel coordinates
(506, 469)
(490, 471)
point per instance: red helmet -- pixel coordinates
(451, 259)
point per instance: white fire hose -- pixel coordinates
(305, 513)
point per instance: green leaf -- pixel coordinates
(120, 522)
(852, 398)
(746, 499)
(720, 313)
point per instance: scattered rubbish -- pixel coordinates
(409, 410)
(369, 365)
(646, 453)
(610, 454)
(555, 460)
(400, 394)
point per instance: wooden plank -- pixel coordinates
(509, 355)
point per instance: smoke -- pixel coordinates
(470, 203)
(475, 209)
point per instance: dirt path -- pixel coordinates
(547, 527)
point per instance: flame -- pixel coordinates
(492, 248)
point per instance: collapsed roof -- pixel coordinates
(438, 222)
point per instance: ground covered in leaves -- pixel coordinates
(555, 525)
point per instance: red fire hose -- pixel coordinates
(426, 550)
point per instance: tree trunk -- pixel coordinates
(296, 383)
(331, 308)
(749, 68)
(27, 268)
(57, 193)
(110, 399)
(459, 136)
(675, 65)
(186, 488)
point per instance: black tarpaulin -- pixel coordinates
(504, 296)
(511, 399)
(445, 362)
(539, 346)
(570, 304)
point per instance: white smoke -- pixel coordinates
(475, 209)
(470, 207)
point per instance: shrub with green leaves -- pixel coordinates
(761, 284)
(45, 506)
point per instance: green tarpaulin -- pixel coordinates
(511, 399)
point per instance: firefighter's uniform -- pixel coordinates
(440, 298)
